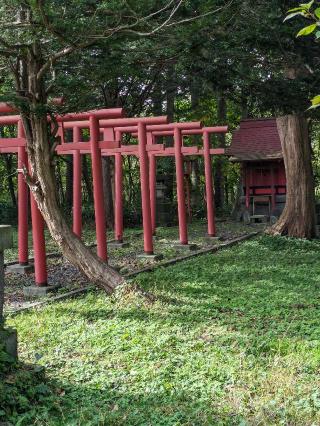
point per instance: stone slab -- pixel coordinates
(6, 240)
(8, 337)
(118, 244)
(211, 238)
(185, 247)
(154, 257)
(20, 269)
(37, 291)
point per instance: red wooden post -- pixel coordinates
(22, 202)
(152, 180)
(39, 245)
(118, 198)
(273, 193)
(77, 189)
(183, 230)
(99, 210)
(145, 188)
(209, 185)
(247, 187)
(187, 176)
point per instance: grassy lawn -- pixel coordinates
(231, 339)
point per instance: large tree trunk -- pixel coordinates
(298, 217)
(42, 182)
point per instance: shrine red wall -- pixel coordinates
(259, 177)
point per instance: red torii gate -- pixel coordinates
(207, 151)
(146, 129)
(17, 145)
(113, 147)
(179, 150)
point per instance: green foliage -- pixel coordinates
(307, 30)
(309, 11)
(231, 338)
(22, 387)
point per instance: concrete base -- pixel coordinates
(118, 244)
(36, 291)
(154, 257)
(185, 247)
(210, 238)
(20, 269)
(8, 337)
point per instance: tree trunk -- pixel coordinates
(298, 217)
(42, 182)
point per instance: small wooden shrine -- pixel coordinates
(256, 145)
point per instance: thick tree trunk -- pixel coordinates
(42, 182)
(298, 217)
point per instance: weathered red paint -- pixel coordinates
(145, 188)
(39, 245)
(99, 211)
(209, 185)
(183, 229)
(118, 190)
(77, 189)
(152, 183)
(23, 253)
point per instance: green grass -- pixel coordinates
(232, 339)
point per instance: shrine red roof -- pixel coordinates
(256, 139)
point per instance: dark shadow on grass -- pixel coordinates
(65, 403)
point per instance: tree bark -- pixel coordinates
(41, 179)
(298, 217)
